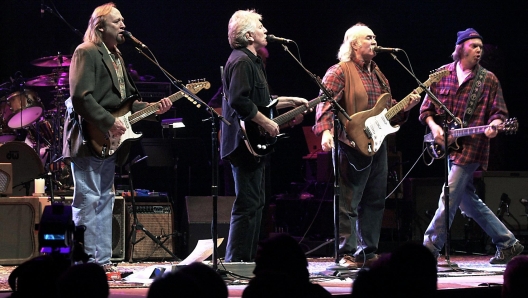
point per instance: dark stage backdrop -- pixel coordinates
(189, 40)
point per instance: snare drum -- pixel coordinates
(25, 107)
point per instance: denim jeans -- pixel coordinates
(363, 185)
(462, 195)
(93, 201)
(246, 214)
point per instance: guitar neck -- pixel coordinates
(151, 109)
(401, 105)
(284, 118)
(462, 132)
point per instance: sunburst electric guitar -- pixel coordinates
(104, 145)
(437, 151)
(366, 130)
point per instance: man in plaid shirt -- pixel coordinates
(454, 92)
(357, 83)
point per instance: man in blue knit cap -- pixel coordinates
(474, 95)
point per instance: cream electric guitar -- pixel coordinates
(104, 145)
(366, 130)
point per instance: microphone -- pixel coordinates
(138, 43)
(385, 50)
(273, 38)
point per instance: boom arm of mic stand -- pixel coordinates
(319, 83)
(178, 84)
(431, 95)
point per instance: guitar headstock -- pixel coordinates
(510, 126)
(438, 75)
(195, 86)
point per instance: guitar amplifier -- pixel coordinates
(158, 219)
(118, 223)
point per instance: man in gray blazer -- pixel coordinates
(99, 83)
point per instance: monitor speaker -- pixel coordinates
(200, 217)
(17, 227)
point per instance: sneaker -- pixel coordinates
(348, 262)
(503, 256)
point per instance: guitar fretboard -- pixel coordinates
(284, 118)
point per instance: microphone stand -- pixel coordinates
(336, 108)
(136, 225)
(437, 102)
(214, 139)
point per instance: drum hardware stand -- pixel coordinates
(136, 225)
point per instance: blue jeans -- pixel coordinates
(462, 195)
(246, 214)
(363, 185)
(93, 201)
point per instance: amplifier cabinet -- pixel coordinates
(118, 223)
(158, 219)
(18, 240)
(496, 186)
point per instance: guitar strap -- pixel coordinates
(382, 81)
(475, 93)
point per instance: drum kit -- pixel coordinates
(24, 120)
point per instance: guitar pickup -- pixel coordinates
(368, 132)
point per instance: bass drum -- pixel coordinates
(27, 166)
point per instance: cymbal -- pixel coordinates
(53, 61)
(54, 79)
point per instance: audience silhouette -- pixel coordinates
(515, 278)
(409, 271)
(84, 281)
(281, 270)
(37, 277)
(194, 280)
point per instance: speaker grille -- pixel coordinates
(157, 218)
(17, 229)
